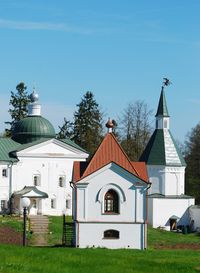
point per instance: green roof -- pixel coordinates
(7, 146)
(32, 128)
(156, 153)
(161, 196)
(162, 106)
(36, 193)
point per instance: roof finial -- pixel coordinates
(166, 82)
(110, 125)
(34, 97)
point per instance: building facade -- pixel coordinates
(35, 164)
(167, 203)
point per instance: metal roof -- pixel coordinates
(162, 105)
(30, 191)
(32, 128)
(7, 146)
(162, 150)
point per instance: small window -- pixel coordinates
(68, 204)
(36, 180)
(53, 203)
(156, 124)
(61, 181)
(111, 234)
(111, 202)
(4, 172)
(3, 204)
(165, 124)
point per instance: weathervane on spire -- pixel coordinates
(166, 82)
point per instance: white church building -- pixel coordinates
(110, 199)
(35, 164)
(167, 203)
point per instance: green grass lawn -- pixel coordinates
(14, 259)
(42, 260)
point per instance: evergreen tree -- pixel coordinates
(19, 102)
(88, 123)
(192, 157)
(135, 129)
(66, 130)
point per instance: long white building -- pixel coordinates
(35, 164)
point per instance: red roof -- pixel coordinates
(111, 151)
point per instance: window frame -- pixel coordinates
(62, 183)
(38, 182)
(3, 207)
(111, 202)
(4, 172)
(53, 203)
(115, 234)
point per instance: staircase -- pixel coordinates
(68, 234)
(39, 227)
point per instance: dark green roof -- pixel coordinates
(155, 153)
(161, 196)
(32, 128)
(28, 189)
(8, 145)
(162, 106)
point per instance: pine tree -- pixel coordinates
(192, 158)
(66, 130)
(19, 102)
(88, 123)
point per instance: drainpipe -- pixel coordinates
(10, 165)
(146, 220)
(74, 209)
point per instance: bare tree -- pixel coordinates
(135, 128)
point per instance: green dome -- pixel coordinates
(32, 128)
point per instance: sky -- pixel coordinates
(119, 50)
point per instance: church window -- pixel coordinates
(53, 203)
(4, 173)
(111, 202)
(68, 204)
(111, 234)
(3, 204)
(36, 180)
(165, 123)
(61, 181)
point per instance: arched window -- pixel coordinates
(111, 234)
(111, 202)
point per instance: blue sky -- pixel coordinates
(119, 50)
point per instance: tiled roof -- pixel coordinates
(110, 151)
(162, 150)
(141, 170)
(162, 106)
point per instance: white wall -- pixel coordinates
(160, 211)
(90, 206)
(166, 180)
(91, 235)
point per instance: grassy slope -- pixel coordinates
(162, 237)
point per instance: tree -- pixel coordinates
(19, 102)
(192, 157)
(88, 123)
(66, 130)
(135, 129)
